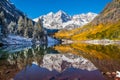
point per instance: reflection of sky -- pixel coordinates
(52, 41)
(35, 72)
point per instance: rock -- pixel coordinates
(1, 44)
(7, 72)
(117, 74)
(108, 73)
(113, 73)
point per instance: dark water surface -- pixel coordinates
(61, 62)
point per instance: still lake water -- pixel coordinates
(60, 62)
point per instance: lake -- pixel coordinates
(76, 61)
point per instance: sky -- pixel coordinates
(36, 8)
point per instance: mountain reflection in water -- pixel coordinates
(60, 62)
(60, 67)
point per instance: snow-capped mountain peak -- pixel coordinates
(60, 12)
(51, 13)
(61, 20)
(61, 15)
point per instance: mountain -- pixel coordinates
(16, 26)
(110, 14)
(104, 26)
(57, 61)
(61, 20)
(10, 11)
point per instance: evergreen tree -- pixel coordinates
(4, 23)
(25, 22)
(12, 27)
(30, 28)
(39, 24)
(35, 31)
(25, 27)
(38, 33)
(20, 26)
(1, 17)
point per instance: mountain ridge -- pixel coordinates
(61, 20)
(110, 13)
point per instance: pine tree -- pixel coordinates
(26, 32)
(20, 30)
(35, 31)
(25, 27)
(12, 27)
(1, 17)
(37, 34)
(39, 24)
(30, 28)
(25, 22)
(4, 23)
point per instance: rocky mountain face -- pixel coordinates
(14, 22)
(62, 20)
(110, 14)
(10, 11)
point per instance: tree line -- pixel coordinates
(24, 27)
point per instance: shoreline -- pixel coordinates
(102, 42)
(97, 42)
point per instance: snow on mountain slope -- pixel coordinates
(62, 20)
(9, 9)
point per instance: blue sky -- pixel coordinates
(36, 8)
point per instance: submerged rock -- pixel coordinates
(1, 44)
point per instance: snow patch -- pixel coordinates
(13, 39)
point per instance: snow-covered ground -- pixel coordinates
(13, 39)
(18, 40)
